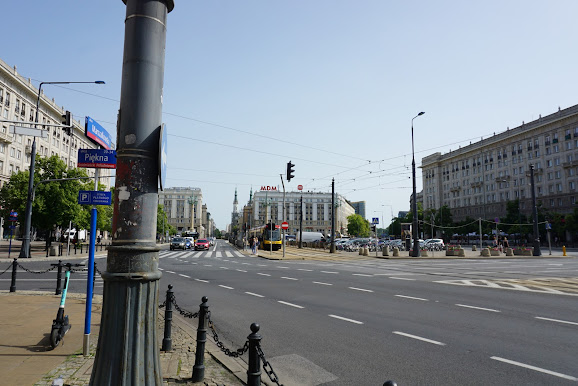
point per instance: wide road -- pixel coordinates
(365, 321)
(416, 322)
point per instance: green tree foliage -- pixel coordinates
(218, 233)
(163, 222)
(55, 203)
(358, 226)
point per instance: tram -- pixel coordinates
(268, 239)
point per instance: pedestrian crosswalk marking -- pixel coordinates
(199, 254)
(559, 286)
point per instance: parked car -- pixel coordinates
(435, 245)
(178, 243)
(202, 244)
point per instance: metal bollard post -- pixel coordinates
(254, 370)
(199, 367)
(167, 341)
(81, 245)
(60, 249)
(75, 249)
(59, 279)
(13, 283)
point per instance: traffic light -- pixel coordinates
(290, 171)
(374, 228)
(67, 122)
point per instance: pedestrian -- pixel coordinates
(505, 243)
(98, 239)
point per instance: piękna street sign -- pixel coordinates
(94, 197)
(97, 158)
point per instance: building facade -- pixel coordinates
(359, 207)
(267, 206)
(479, 179)
(18, 98)
(184, 209)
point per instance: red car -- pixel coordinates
(202, 244)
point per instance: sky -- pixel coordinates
(331, 85)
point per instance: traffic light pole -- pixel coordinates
(128, 350)
(284, 218)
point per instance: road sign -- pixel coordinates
(94, 197)
(96, 158)
(97, 133)
(28, 131)
(375, 220)
(285, 225)
(299, 187)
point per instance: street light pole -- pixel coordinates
(128, 350)
(416, 251)
(537, 251)
(25, 248)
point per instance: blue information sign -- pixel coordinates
(96, 158)
(94, 197)
(375, 220)
(98, 133)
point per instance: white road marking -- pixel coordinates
(557, 320)
(362, 274)
(240, 270)
(328, 272)
(411, 297)
(303, 269)
(478, 308)
(169, 271)
(289, 304)
(188, 277)
(263, 274)
(346, 319)
(569, 377)
(254, 294)
(224, 267)
(202, 281)
(288, 278)
(282, 267)
(319, 282)
(245, 263)
(401, 278)
(208, 265)
(360, 289)
(161, 269)
(419, 338)
(261, 265)
(227, 287)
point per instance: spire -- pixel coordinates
(251, 195)
(235, 202)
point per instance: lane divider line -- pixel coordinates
(419, 338)
(263, 274)
(411, 297)
(345, 319)
(288, 278)
(360, 289)
(569, 377)
(557, 320)
(188, 277)
(320, 282)
(202, 281)
(289, 304)
(224, 286)
(478, 308)
(254, 294)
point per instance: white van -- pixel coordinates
(310, 237)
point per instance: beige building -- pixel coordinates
(18, 107)
(479, 179)
(184, 208)
(266, 205)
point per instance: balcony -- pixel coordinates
(569, 164)
(28, 149)
(5, 137)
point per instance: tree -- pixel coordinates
(162, 222)
(357, 226)
(55, 203)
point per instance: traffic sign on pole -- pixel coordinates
(285, 225)
(94, 197)
(96, 158)
(299, 187)
(375, 220)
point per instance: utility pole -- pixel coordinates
(128, 350)
(301, 222)
(332, 248)
(284, 218)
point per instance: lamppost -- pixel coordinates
(537, 251)
(25, 248)
(416, 251)
(382, 223)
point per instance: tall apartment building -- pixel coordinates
(18, 103)
(479, 179)
(266, 205)
(184, 208)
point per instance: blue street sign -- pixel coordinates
(96, 158)
(98, 134)
(94, 197)
(375, 220)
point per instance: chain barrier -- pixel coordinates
(184, 313)
(36, 272)
(7, 268)
(270, 372)
(234, 354)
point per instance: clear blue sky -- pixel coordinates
(328, 84)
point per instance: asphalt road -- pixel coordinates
(458, 322)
